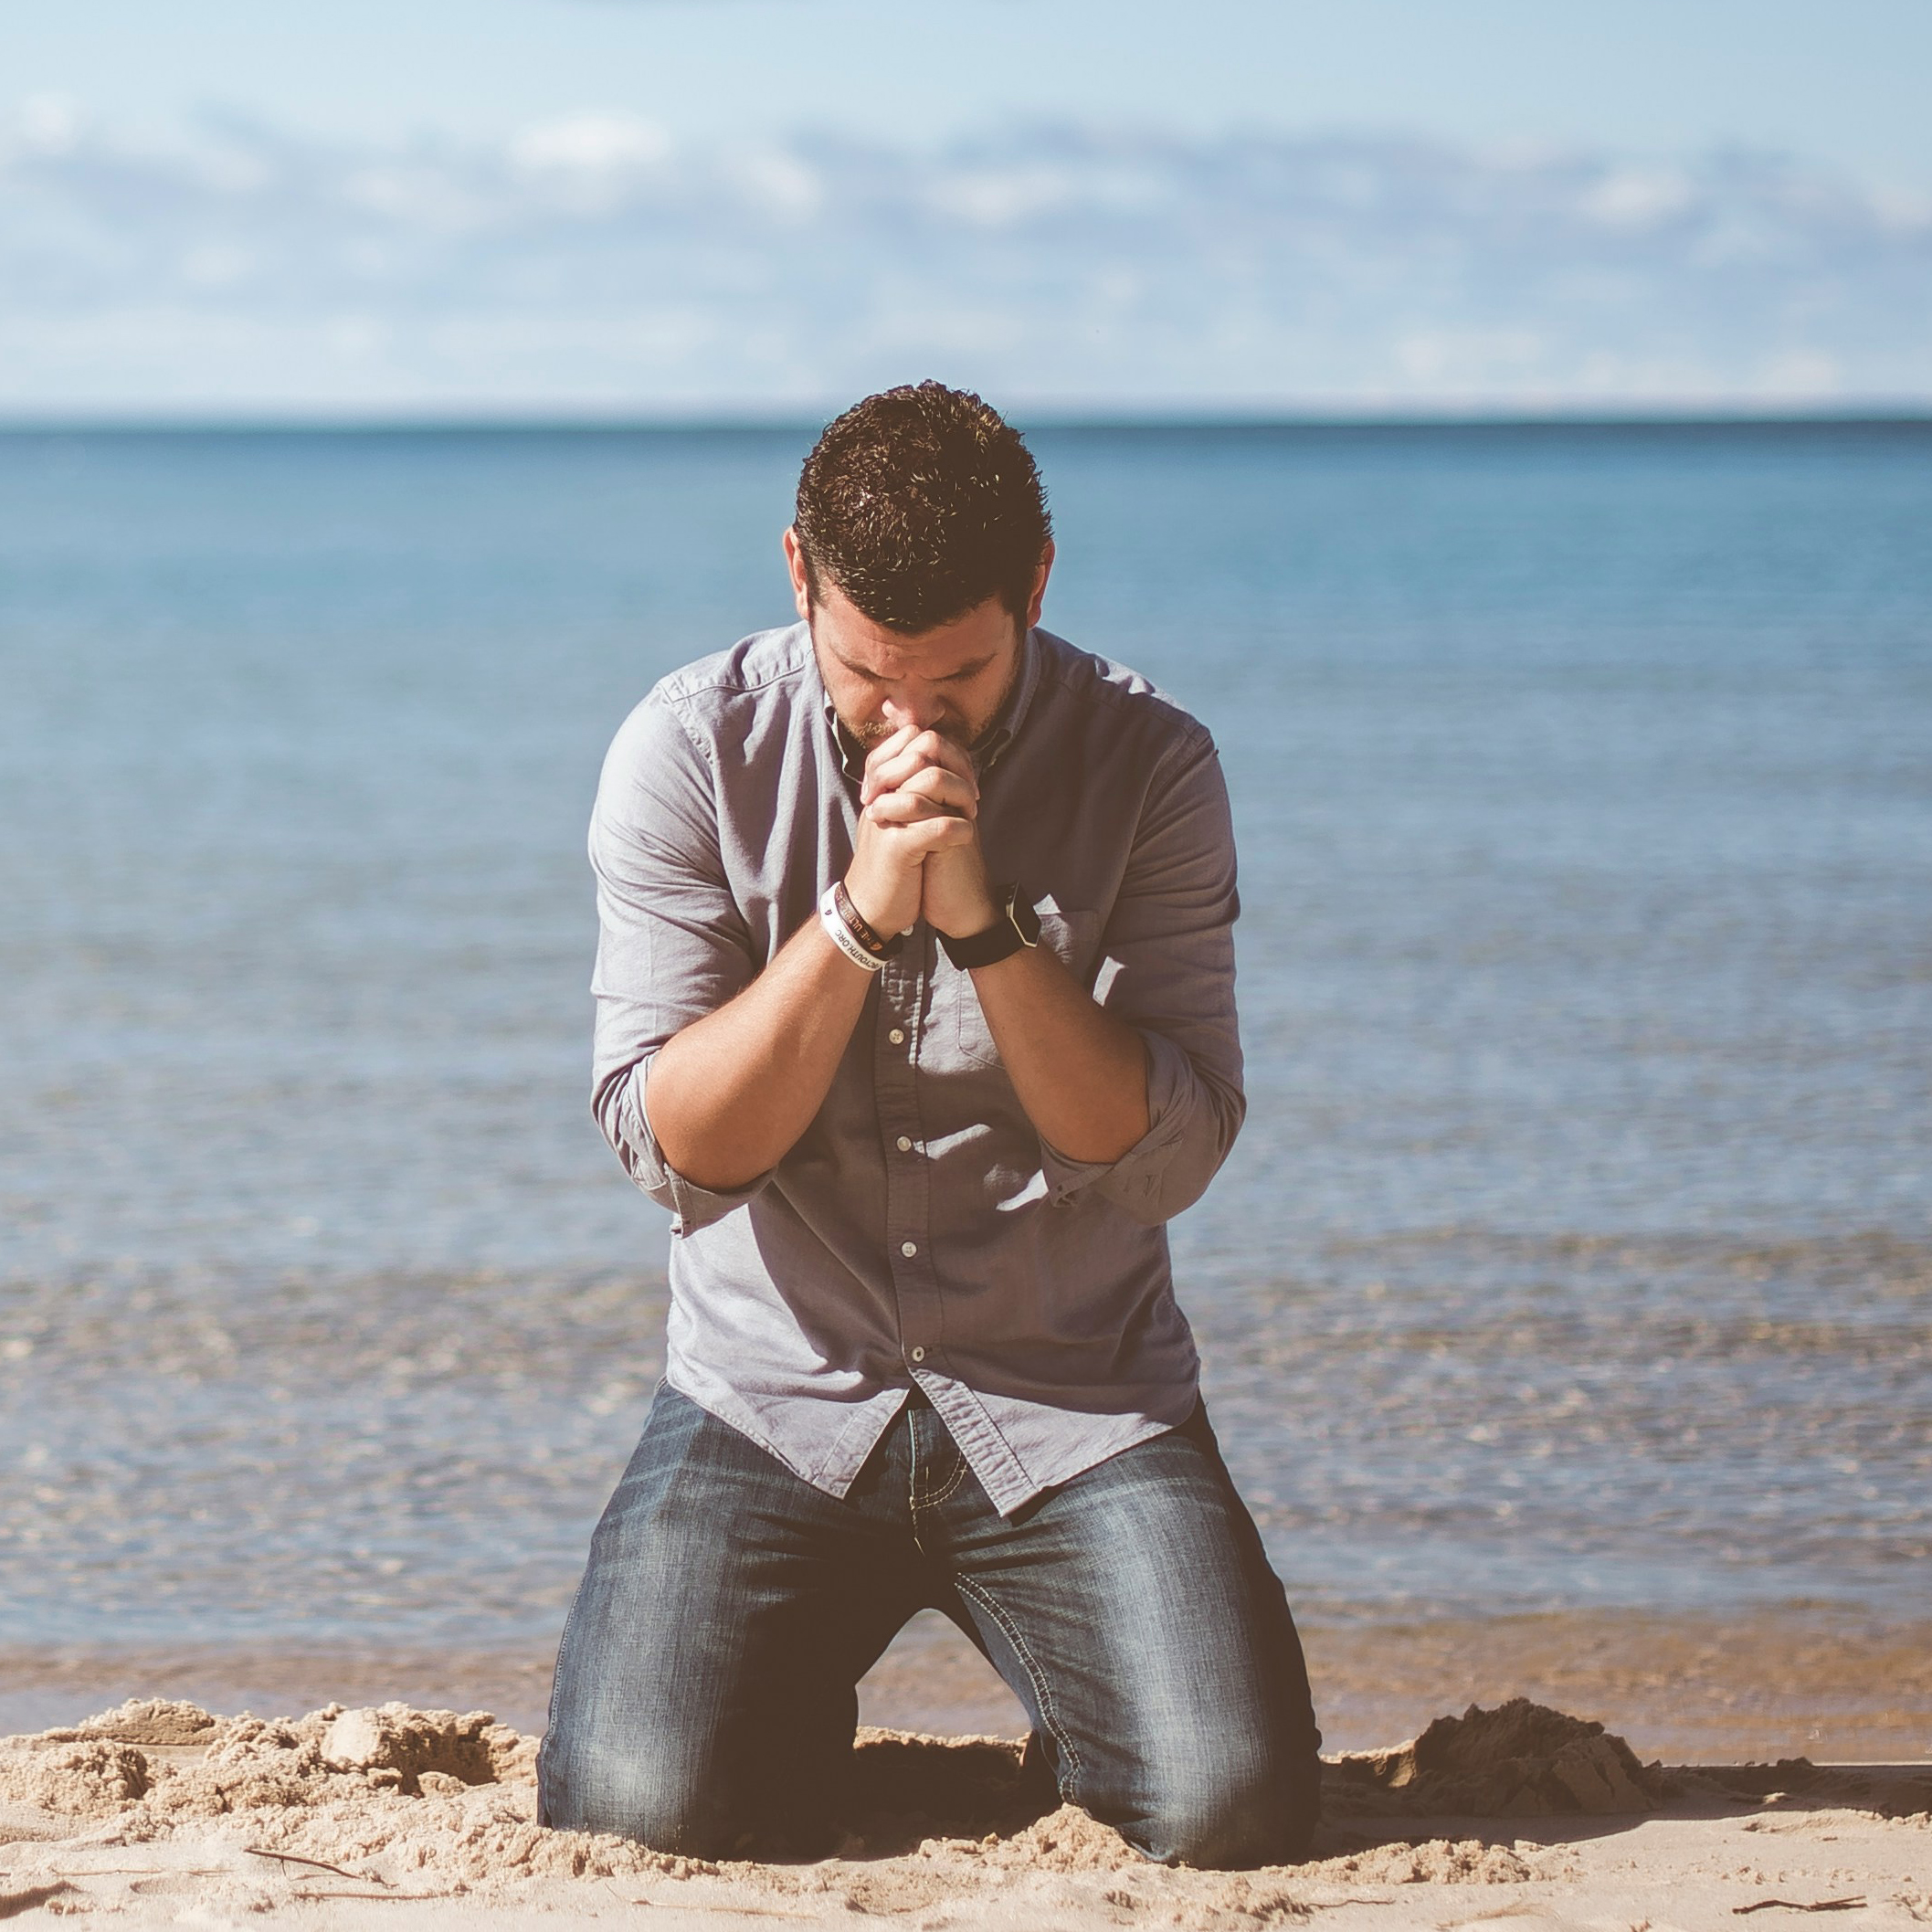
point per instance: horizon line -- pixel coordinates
(482, 422)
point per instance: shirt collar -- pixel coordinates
(992, 745)
(994, 739)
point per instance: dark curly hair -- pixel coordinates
(919, 503)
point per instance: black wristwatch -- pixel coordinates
(1018, 925)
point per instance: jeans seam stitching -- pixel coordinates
(959, 1475)
(1035, 1676)
(914, 1497)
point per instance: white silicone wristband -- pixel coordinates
(840, 935)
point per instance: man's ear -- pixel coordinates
(801, 578)
(1040, 583)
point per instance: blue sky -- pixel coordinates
(694, 205)
(1844, 83)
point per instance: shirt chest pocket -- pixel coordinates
(1072, 937)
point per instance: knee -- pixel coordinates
(586, 1783)
(1221, 1812)
(1230, 1831)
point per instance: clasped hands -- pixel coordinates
(917, 853)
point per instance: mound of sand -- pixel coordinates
(417, 1791)
(1519, 1760)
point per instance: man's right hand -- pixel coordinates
(919, 796)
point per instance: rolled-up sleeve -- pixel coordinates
(672, 945)
(1167, 968)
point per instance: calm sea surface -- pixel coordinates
(1578, 1250)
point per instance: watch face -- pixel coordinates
(1026, 921)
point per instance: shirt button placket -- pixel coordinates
(907, 1182)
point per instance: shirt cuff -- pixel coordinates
(692, 1206)
(1134, 1178)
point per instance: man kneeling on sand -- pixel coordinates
(916, 1008)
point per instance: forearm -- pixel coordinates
(1080, 1073)
(729, 1096)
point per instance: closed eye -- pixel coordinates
(965, 674)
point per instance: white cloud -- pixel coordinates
(1000, 197)
(1440, 359)
(1638, 198)
(1802, 373)
(216, 265)
(588, 264)
(590, 143)
(1908, 210)
(48, 125)
(416, 194)
(781, 183)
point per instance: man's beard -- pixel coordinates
(880, 731)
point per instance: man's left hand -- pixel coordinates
(959, 898)
(956, 898)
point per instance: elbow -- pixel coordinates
(1178, 1168)
(619, 1112)
(693, 1202)
(608, 1096)
(1154, 1198)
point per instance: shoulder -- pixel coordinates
(768, 663)
(723, 698)
(1087, 690)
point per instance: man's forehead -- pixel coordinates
(863, 645)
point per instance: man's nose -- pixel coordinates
(921, 709)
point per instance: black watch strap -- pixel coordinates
(1017, 926)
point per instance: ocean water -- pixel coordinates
(1578, 1249)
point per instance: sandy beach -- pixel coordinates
(161, 1813)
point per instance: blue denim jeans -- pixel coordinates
(704, 1700)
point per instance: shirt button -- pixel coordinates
(905, 1146)
(919, 1355)
(908, 1249)
(897, 1037)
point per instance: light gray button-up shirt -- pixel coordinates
(920, 1231)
